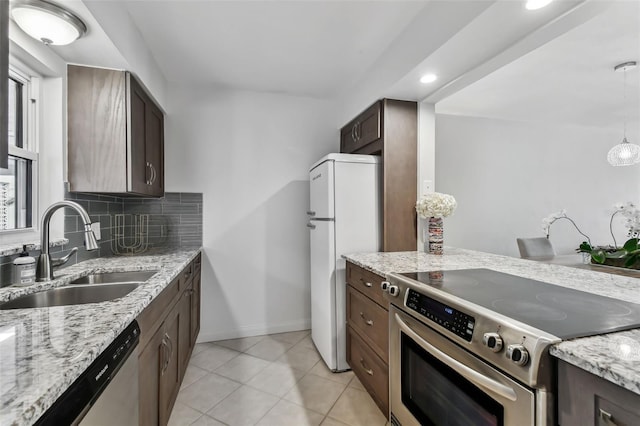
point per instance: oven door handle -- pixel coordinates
(470, 374)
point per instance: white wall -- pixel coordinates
(507, 176)
(249, 154)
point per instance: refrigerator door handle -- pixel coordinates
(311, 225)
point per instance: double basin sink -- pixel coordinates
(92, 288)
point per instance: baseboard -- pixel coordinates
(253, 330)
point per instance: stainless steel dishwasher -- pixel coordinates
(107, 392)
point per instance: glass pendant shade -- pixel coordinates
(624, 154)
(47, 22)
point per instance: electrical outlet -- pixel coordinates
(427, 186)
(95, 227)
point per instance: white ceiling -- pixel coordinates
(494, 58)
(569, 80)
(308, 48)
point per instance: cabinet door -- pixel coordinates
(170, 366)
(154, 148)
(150, 364)
(362, 131)
(184, 334)
(195, 308)
(138, 173)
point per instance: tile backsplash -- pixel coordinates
(174, 221)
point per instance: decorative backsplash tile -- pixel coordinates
(174, 221)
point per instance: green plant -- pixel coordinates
(628, 255)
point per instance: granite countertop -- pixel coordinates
(43, 350)
(614, 357)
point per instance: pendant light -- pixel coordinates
(625, 153)
(47, 22)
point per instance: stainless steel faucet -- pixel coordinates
(44, 269)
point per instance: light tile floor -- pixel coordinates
(274, 380)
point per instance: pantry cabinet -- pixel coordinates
(167, 339)
(586, 399)
(368, 333)
(389, 128)
(115, 134)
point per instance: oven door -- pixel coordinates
(433, 381)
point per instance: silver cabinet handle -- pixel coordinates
(154, 175)
(366, 321)
(170, 347)
(366, 369)
(311, 225)
(468, 373)
(148, 179)
(353, 133)
(358, 131)
(367, 284)
(606, 417)
(164, 357)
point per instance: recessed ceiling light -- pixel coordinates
(428, 78)
(537, 4)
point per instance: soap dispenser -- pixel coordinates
(24, 269)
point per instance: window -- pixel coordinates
(17, 183)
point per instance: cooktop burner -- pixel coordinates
(560, 311)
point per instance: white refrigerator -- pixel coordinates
(344, 217)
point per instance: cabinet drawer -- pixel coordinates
(367, 283)
(370, 369)
(608, 413)
(186, 275)
(370, 320)
(363, 130)
(150, 319)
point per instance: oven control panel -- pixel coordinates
(453, 320)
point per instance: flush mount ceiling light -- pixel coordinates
(47, 22)
(428, 78)
(625, 153)
(536, 4)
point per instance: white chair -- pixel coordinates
(535, 247)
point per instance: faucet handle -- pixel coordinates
(65, 259)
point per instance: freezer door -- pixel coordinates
(323, 306)
(321, 178)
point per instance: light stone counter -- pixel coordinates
(614, 357)
(44, 350)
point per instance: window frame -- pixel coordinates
(30, 80)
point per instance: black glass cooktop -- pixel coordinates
(561, 311)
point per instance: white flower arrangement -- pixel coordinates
(562, 214)
(436, 204)
(632, 215)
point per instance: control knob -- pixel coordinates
(493, 341)
(393, 290)
(384, 285)
(518, 354)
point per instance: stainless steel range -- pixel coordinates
(470, 347)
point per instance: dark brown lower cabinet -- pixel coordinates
(170, 377)
(368, 333)
(172, 320)
(195, 307)
(184, 334)
(149, 364)
(585, 399)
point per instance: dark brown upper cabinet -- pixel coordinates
(115, 134)
(389, 128)
(4, 84)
